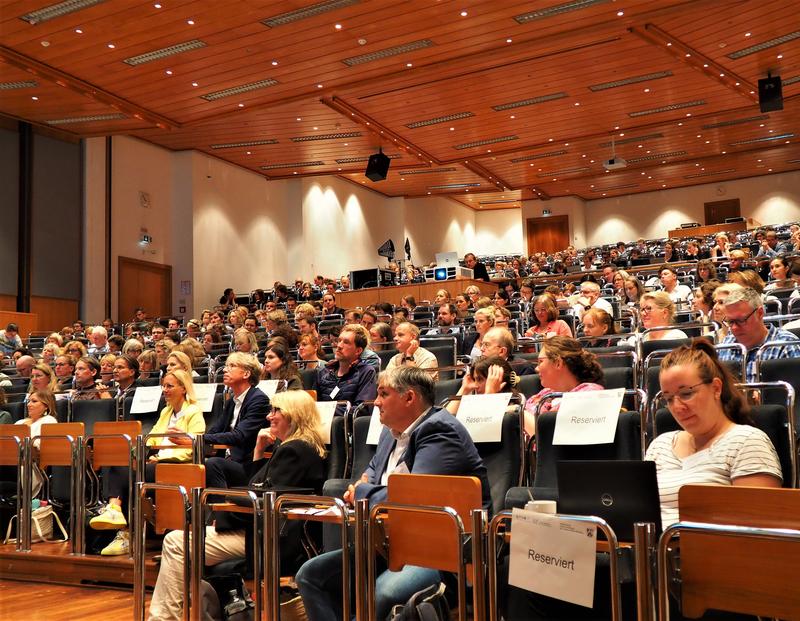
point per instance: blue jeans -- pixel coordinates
(320, 583)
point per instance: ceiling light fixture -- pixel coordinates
(669, 108)
(387, 52)
(632, 80)
(481, 143)
(440, 119)
(558, 9)
(237, 90)
(529, 102)
(249, 143)
(292, 165)
(87, 119)
(164, 52)
(57, 10)
(309, 11)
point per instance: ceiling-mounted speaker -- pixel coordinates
(377, 166)
(770, 94)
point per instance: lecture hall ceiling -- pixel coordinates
(485, 102)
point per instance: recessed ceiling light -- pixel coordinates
(338, 26)
(577, 103)
(512, 116)
(319, 85)
(190, 22)
(195, 84)
(463, 13)
(158, 6)
(620, 13)
(780, 56)
(688, 55)
(299, 119)
(647, 90)
(241, 105)
(722, 75)
(409, 64)
(747, 34)
(78, 31)
(705, 65)
(508, 40)
(35, 98)
(452, 129)
(111, 46)
(316, 128)
(168, 72)
(249, 152)
(274, 63)
(549, 140)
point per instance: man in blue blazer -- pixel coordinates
(419, 439)
(242, 418)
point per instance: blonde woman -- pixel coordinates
(484, 321)
(657, 310)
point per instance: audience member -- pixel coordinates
(500, 342)
(484, 321)
(10, 339)
(657, 312)
(479, 271)
(406, 340)
(544, 320)
(347, 377)
(279, 365)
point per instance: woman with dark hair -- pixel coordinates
(544, 319)
(705, 271)
(564, 366)
(717, 445)
(634, 290)
(279, 365)
(501, 298)
(228, 298)
(703, 299)
(780, 274)
(487, 376)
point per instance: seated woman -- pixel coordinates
(181, 415)
(310, 351)
(297, 461)
(487, 376)
(779, 271)
(43, 378)
(179, 361)
(718, 311)
(721, 248)
(462, 305)
(41, 408)
(564, 366)
(545, 321)
(245, 341)
(703, 299)
(618, 282)
(502, 298)
(597, 324)
(50, 352)
(484, 320)
(279, 365)
(634, 290)
(705, 271)
(442, 297)
(107, 368)
(148, 363)
(76, 349)
(657, 310)
(716, 446)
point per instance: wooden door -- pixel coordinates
(144, 284)
(717, 211)
(549, 234)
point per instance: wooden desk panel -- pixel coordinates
(713, 229)
(27, 322)
(420, 291)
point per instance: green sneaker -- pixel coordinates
(119, 546)
(110, 519)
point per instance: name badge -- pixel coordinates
(334, 392)
(588, 417)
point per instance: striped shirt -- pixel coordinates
(741, 451)
(772, 353)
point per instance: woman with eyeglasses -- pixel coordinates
(297, 461)
(544, 319)
(657, 310)
(717, 445)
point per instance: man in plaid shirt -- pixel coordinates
(744, 316)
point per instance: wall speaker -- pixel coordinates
(377, 166)
(770, 94)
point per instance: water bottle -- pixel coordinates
(35, 504)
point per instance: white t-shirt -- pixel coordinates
(743, 450)
(680, 293)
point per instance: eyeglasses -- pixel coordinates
(739, 322)
(648, 309)
(684, 394)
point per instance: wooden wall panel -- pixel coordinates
(8, 303)
(54, 313)
(26, 322)
(422, 291)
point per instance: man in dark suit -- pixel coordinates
(417, 438)
(242, 418)
(479, 271)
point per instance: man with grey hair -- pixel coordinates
(744, 317)
(99, 338)
(589, 297)
(419, 439)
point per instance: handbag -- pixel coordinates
(429, 604)
(42, 519)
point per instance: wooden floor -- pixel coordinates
(33, 601)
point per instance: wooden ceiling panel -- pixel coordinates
(483, 59)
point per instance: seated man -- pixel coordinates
(9, 339)
(744, 316)
(406, 340)
(242, 418)
(419, 439)
(590, 298)
(347, 377)
(445, 320)
(500, 342)
(99, 341)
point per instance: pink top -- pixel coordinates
(552, 404)
(559, 327)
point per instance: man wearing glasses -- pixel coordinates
(744, 317)
(242, 417)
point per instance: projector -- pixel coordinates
(615, 163)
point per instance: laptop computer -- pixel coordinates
(621, 492)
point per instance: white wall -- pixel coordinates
(343, 226)
(770, 199)
(499, 231)
(438, 224)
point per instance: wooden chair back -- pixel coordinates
(169, 505)
(114, 451)
(9, 451)
(418, 539)
(739, 574)
(58, 451)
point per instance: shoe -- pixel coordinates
(110, 519)
(119, 546)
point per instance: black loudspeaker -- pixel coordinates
(377, 167)
(770, 94)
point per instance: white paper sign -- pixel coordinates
(375, 427)
(269, 387)
(327, 410)
(588, 417)
(553, 556)
(145, 399)
(482, 415)
(205, 396)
